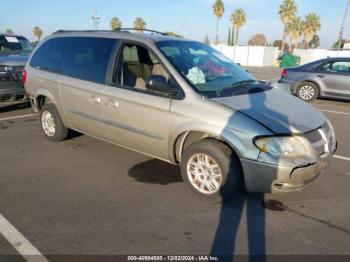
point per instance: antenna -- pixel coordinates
(96, 19)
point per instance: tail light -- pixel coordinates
(24, 77)
(284, 73)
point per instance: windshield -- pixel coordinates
(14, 45)
(206, 69)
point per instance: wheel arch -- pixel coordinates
(312, 81)
(187, 138)
(43, 96)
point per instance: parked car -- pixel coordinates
(14, 53)
(323, 78)
(180, 101)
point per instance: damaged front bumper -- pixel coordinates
(270, 178)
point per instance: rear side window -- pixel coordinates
(87, 58)
(50, 55)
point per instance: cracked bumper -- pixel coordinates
(269, 178)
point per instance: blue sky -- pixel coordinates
(190, 18)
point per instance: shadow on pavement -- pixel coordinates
(156, 172)
(7, 107)
(224, 243)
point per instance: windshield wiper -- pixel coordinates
(243, 83)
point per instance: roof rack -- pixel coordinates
(144, 30)
(121, 30)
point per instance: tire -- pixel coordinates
(307, 91)
(51, 124)
(227, 162)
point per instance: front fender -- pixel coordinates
(243, 149)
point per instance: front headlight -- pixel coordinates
(282, 146)
(5, 68)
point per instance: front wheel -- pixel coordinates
(307, 91)
(211, 170)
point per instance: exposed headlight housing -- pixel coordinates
(281, 146)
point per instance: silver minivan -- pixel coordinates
(180, 101)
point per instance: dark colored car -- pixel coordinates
(14, 53)
(323, 78)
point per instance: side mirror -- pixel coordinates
(158, 83)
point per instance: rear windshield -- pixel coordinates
(14, 45)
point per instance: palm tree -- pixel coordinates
(37, 32)
(139, 24)
(311, 26)
(295, 29)
(116, 24)
(287, 11)
(219, 10)
(238, 19)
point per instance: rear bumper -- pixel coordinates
(291, 84)
(268, 178)
(285, 87)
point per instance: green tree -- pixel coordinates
(257, 40)
(139, 24)
(287, 11)
(311, 26)
(116, 24)
(37, 32)
(229, 37)
(218, 9)
(172, 34)
(9, 32)
(207, 40)
(232, 37)
(295, 30)
(342, 43)
(315, 42)
(238, 19)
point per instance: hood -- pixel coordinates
(14, 59)
(280, 112)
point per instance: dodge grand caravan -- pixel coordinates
(180, 101)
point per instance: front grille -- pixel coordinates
(6, 78)
(321, 139)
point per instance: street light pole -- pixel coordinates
(96, 19)
(342, 26)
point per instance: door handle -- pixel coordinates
(112, 103)
(95, 99)
(321, 76)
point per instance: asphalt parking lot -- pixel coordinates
(87, 197)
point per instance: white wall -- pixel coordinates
(309, 55)
(250, 55)
(266, 56)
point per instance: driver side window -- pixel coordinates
(135, 65)
(337, 67)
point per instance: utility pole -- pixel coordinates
(342, 26)
(96, 19)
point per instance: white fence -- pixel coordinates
(309, 55)
(266, 56)
(250, 55)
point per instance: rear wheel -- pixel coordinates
(211, 170)
(307, 91)
(52, 124)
